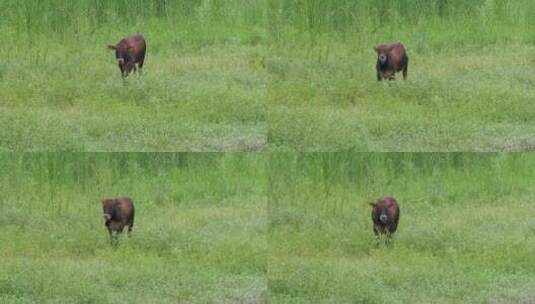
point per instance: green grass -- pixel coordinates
(465, 233)
(278, 75)
(469, 87)
(199, 234)
(203, 87)
(257, 228)
(479, 100)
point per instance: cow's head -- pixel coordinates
(123, 55)
(381, 211)
(108, 206)
(382, 54)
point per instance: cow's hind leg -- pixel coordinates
(141, 65)
(131, 224)
(405, 72)
(120, 228)
(376, 230)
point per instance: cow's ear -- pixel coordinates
(112, 47)
(375, 49)
(372, 204)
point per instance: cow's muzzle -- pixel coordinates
(383, 218)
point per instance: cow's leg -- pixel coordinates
(120, 228)
(131, 224)
(379, 234)
(405, 72)
(141, 65)
(122, 70)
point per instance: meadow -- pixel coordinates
(278, 75)
(466, 231)
(267, 228)
(470, 78)
(200, 233)
(203, 87)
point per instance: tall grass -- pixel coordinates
(191, 23)
(431, 178)
(59, 16)
(374, 17)
(166, 177)
(436, 22)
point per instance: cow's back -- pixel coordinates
(137, 45)
(126, 210)
(397, 57)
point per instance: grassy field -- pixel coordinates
(221, 228)
(279, 75)
(466, 232)
(199, 234)
(470, 81)
(203, 87)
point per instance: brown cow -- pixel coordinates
(385, 216)
(391, 58)
(118, 213)
(129, 51)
